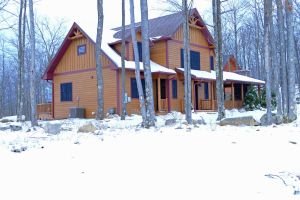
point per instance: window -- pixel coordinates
(81, 49)
(134, 90)
(206, 91)
(66, 92)
(139, 44)
(194, 58)
(211, 62)
(174, 89)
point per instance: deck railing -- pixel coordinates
(44, 110)
(163, 105)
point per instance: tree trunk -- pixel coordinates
(123, 112)
(32, 74)
(100, 102)
(150, 114)
(218, 51)
(283, 65)
(267, 54)
(2, 84)
(21, 60)
(137, 63)
(291, 72)
(187, 63)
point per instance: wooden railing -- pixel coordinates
(205, 104)
(163, 105)
(44, 111)
(236, 104)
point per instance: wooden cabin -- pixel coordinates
(73, 73)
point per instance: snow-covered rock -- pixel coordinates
(53, 127)
(275, 119)
(15, 126)
(4, 127)
(87, 128)
(239, 121)
(170, 122)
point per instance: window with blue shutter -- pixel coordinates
(206, 91)
(194, 59)
(139, 44)
(211, 62)
(174, 89)
(66, 92)
(134, 90)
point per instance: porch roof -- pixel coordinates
(227, 76)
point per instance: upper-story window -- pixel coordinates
(140, 49)
(211, 63)
(81, 49)
(194, 58)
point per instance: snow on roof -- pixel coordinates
(227, 76)
(108, 37)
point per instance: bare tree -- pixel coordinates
(123, 113)
(281, 30)
(150, 114)
(137, 63)
(21, 54)
(218, 51)
(187, 62)
(32, 73)
(100, 109)
(291, 72)
(267, 54)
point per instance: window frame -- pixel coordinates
(174, 90)
(66, 97)
(191, 59)
(78, 51)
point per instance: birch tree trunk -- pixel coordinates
(284, 89)
(137, 63)
(150, 114)
(100, 102)
(2, 84)
(123, 112)
(218, 51)
(187, 63)
(291, 70)
(32, 73)
(21, 60)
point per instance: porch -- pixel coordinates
(44, 111)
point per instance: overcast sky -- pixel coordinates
(84, 12)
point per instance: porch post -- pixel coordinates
(158, 94)
(232, 93)
(193, 95)
(212, 95)
(242, 90)
(258, 86)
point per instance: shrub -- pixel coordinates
(263, 98)
(252, 100)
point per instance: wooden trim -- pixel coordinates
(168, 94)
(242, 91)
(232, 93)
(79, 71)
(118, 91)
(158, 94)
(191, 44)
(167, 53)
(52, 99)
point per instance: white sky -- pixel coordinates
(84, 12)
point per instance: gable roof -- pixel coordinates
(166, 26)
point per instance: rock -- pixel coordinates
(4, 128)
(239, 121)
(18, 149)
(199, 121)
(53, 128)
(4, 120)
(275, 119)
(170, 122)
(15, 127)
(87, 128)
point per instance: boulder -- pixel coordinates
(15, 127)
(53, 128)
(170, 122)
(239, 121)
(4, 128)
(276, 119)
(199, 121)
(87, 128)
(4, 120)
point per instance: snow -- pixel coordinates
(124, 161)
(227, 76)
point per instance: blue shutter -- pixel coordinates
(174, 89)
(134, 90)
(181, 58)
(206, 91)
(66, 92)
(211, 62)
(140, 49)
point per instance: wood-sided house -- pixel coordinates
(73, 72)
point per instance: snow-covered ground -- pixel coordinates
(124, 161)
